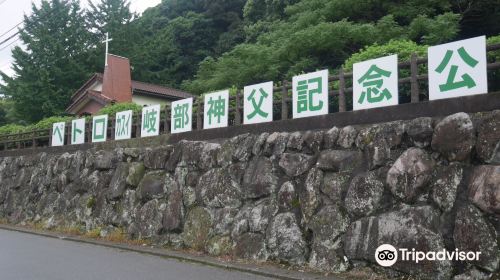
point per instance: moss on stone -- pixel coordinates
(91, 202)
(136, 173)
(197, 228)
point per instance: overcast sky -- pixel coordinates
(12, 11)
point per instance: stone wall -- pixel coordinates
(321, 199)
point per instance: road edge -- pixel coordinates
(265, 271)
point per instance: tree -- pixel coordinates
(55, 62)
(319, 34)
(113, 17)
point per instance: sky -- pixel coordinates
(12, 12)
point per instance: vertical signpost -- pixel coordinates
(310, 94)
(123, 125)
(216, 109)
(150, 121)
(458, 69)
(58, 134)
(258, 103)
(99, 128)
(181, 116)
(78, 132)
(375, 83)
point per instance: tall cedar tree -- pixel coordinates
(54, 63)
(113, 17)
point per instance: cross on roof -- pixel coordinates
(107, 47)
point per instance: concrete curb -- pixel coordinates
(265, 270)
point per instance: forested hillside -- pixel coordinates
(202, 45)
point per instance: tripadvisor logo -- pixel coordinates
(386, 255)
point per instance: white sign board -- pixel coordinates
(310, 94)
(123, 125)
(375, 83)
(78, 131)
(58, 134)
(458, 69)
(181, 116)
(216, 109)
(258, 103)
(99, 128)
(151, 121)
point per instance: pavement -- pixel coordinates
(26, 254)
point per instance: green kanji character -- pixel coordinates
(217, 109)
(123, 123)
(466, 81)
(305, 97)
(257, 110)
(75, 132)
(181, 116)
(150, 120)
(372, 81)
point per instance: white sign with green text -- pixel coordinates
(181, 113)
(258, 103)
(375, 83)
(58, 134)
(150, 121)
(310, 94)
(99, 128)
(78, 132)
(458, 69)
(216, 109)
(123, 125)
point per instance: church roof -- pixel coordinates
(87, 92)
(138, 87)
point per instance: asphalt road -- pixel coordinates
(26, 257)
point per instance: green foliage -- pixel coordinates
(111, 110)
(91, 202)
(54, 63)
(48, 122)
(495, 55)
(403, 48)
(319, 34)
(6, 112)
(11, 129)
(113, 17)
(203, 46)
(494, 76)
(432, 31)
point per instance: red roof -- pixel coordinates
(137, 88)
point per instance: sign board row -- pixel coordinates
(455, 69)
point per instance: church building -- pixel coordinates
(116, 86)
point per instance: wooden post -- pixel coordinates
(50, 136)
(138, 125)
(284, 99)
(88, 130)
(167, 118)
(33, 139)
(414, 78)
(112, 129)
(199, 125)
(68, 133)
(237, 112)
(342, 103)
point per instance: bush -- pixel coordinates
(48, 122)
(403, 48)
(11, 129)
(111, 110)
(495, 55)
